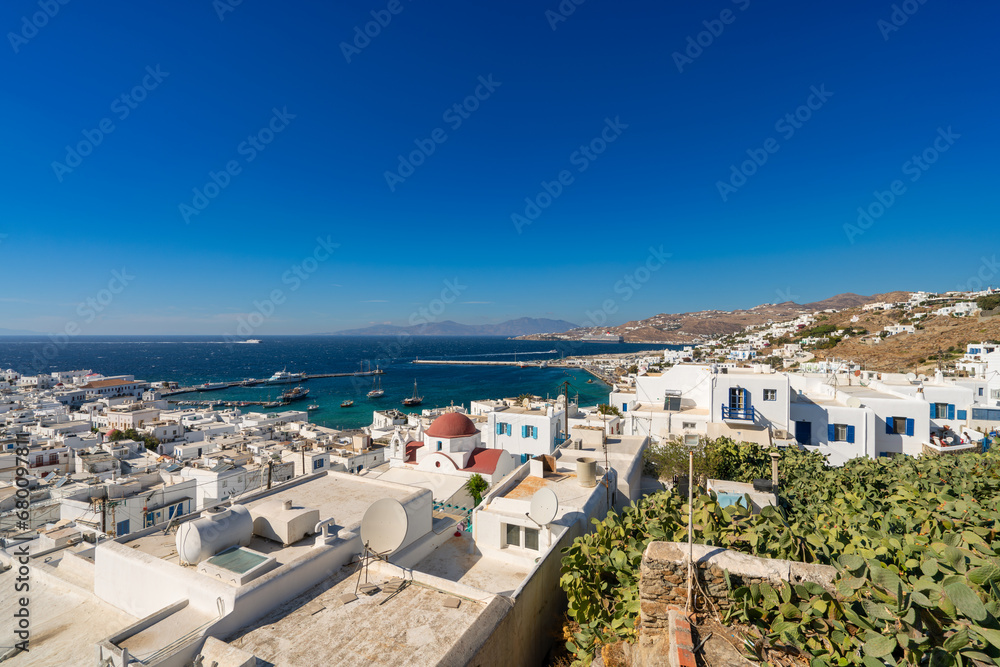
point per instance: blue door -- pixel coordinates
(803, 432)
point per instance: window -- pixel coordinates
(531, 538)
(940, 411)
(673, 403)
(770, 394)
(995, 393)
(985, 414)
(439, 445)
(53, 459)
(513, 535)
(899, 425)
(840, 432)
(737, 398)
(688, 425)
(529, 432)
(318, 463)
(980, 391)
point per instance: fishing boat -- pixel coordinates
(377, 391)
(415, 399)
(296, 394)
(313, 408)
(346, 404)
(590, 381)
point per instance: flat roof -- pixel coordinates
(866, 392)
(65, 624)
(343, 497)
(412, 627)
(459, 560)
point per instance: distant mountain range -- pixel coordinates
(524, 326)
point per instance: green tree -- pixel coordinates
(477, 486)
(606, 409)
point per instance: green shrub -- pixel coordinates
(916, 540)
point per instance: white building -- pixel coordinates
(451, 445)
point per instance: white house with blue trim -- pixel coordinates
(526, 431)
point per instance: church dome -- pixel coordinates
(452, 425)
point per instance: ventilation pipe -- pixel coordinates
(586, 472)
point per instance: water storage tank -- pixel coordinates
(586, 472)
(218, 529)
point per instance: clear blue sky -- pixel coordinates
(779, 235)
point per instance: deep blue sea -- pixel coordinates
(191, 360)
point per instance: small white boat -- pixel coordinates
(313, 408)
(377, 391)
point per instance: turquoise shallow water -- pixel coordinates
(196, 359)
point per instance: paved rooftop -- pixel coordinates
(412, 627)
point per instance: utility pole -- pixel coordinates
(269, 464)
(565, 386)
(690, 596)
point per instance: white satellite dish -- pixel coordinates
(544, 505)
(912, 377)
(853, 402)
(384, 525)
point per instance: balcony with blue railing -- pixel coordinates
(742, 414)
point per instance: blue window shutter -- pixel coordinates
(498, 428)
(962, 415)
(509, 429)
(850, 434)
(831, 433)
(624, 407)
(951, 411)
(909, 427)
(534, 432)
(933, 411)
(524, 431)
(888, 425)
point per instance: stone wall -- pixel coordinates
(931, 450)
(663, 578)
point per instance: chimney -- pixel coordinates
(536, 467)
(774, 470)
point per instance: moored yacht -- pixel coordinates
(284, 377)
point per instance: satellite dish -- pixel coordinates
(384, 525)
(912, 377)
(853, 402)
(544, 505)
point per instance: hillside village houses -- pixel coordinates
(279, 503)
(267, 488)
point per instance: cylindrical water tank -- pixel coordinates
(218, 529)
(586, 472)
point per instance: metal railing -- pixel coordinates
(748, 413)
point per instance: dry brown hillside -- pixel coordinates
(911, 352)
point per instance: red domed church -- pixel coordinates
(452, 445)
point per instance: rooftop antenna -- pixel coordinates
(383, 530)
